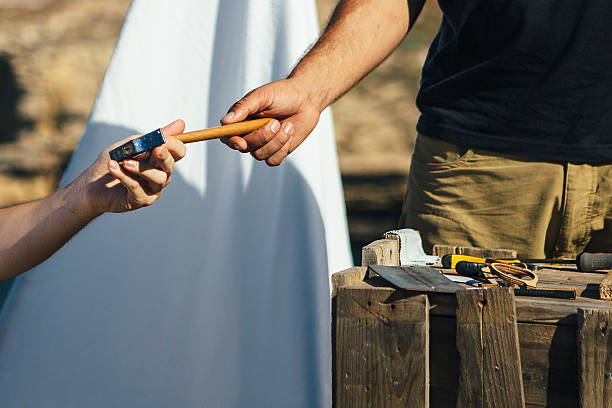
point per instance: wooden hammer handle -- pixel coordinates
(235, 129)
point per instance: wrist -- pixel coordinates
(79, 198)
(317, 95)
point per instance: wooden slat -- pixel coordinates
(548, 351)
(487, 340)
(381, 350)
(443, 361)
(348, 277)
(381, 252)
(595, 357)
(528, 309)
(441, 250)
(493, 253)
(549, 365)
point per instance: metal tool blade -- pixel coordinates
(418, 278)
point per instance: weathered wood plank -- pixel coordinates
(548, 362)
(443, 361)
(595, 359)
(528, 309)
(487, 340)
(549, 365)
(348, 277)
(548, 352)
(381, 252)
(493, 253)
(382, 352)
(441, 250)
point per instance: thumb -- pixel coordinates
(252, 103)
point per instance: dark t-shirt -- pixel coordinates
(526, 77)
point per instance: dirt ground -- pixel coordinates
(53, 54)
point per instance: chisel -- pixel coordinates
(153, 139)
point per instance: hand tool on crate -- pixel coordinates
(509, 272)
(524, 278)
(418, 278)
(153, 139)
(585, 262)
(450, 261)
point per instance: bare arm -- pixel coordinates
(31, 232)
(360, 35)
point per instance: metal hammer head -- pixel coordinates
(139, 145)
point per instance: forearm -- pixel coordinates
(360, 35)
(32, 232)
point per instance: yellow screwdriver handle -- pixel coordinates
(450, 261)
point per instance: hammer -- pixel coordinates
(151, 140)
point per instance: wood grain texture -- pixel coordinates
(381, 252)
(381, 350)
(605, 287)
(443, 361)
(595, 358)
(549, 365)
(235, 129)
(348, 277)
(487, 340)
(548, 351)
(529, 309)
(441, 250)
(491, 253)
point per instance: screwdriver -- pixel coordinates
(450, 261)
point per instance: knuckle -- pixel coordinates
(155, 186)
(268, 136)
(283, 137)
(241, 104)
(132, 185)
(277, 159)
(149, 201)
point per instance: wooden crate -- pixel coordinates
(395, 348)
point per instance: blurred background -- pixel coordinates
(53, 55)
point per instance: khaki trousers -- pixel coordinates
(465, 197)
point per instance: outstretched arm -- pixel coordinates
(360, 35)
(32, 232)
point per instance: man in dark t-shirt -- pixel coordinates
(514, 145)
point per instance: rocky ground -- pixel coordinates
(53, 54)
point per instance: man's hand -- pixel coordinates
(295, 115)
(360, 35)
(137, 182)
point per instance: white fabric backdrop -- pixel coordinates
(218, 295)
